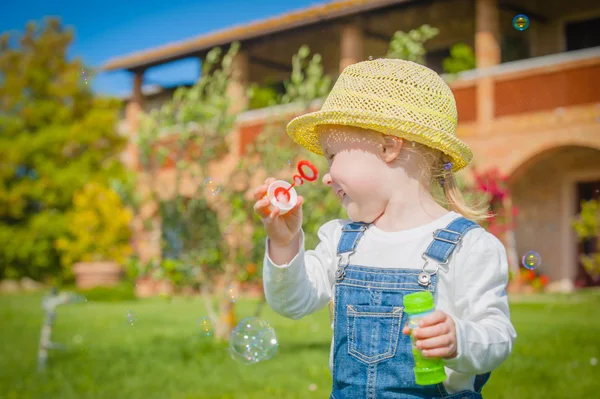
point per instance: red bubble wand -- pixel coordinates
(299, 179)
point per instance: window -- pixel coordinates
(582, 34)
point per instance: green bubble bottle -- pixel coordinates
(428, 371)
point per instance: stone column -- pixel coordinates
(488, 54)
(132, 116)
(351, 44)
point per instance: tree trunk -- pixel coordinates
(227, 321)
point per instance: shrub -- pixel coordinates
(98, 228)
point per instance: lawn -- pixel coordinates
(163, 355)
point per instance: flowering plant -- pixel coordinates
(495, 186)
(533, 278)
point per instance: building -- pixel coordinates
(530, 108)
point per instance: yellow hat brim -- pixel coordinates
(302, 131)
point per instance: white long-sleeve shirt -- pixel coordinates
(470, 288)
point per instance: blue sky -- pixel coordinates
(111, 28)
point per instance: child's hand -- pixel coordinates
(436, 335)
(280, 229)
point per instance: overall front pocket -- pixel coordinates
(373, 332)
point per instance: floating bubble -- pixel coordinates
(289, 162)
(370, 58)
(131, 317)
(77, 339)
(593, 361)
(521, 22)
(231, 293)
(531, 260)
(253, 340)
(312, 387)
(206, 326)
(211, 187)
(84, 75)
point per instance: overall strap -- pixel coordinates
(480, 380)
(446, 239)
(444, 242)
(351, 235)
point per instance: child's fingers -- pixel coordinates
(434, 318)
(260, 191)
(406, 330)
(272, 216)
(433, 343)
(433, 331)
(261, 207)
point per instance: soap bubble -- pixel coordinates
(211, 187)
(370, 58)
(289, 162)
(252, 341)
(231, 293)
(131, 318)
(521, 22)
(531, 260)
(593, 361)
(312, 387)
(206, 326)
(84, 75)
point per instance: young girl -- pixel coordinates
(387, 130)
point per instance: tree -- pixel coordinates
(273, 153)
(410, 46)
(55, 137)
(188, 134)
(462, 58)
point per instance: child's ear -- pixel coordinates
(391, 148)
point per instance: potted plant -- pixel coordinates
(97, 240)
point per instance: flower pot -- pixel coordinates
(94, 274)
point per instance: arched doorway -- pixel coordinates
(548, 189)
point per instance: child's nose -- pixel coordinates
(327, 180)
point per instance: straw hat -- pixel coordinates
(394, 97)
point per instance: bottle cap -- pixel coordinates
(418, 302)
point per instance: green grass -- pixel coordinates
(163, 356)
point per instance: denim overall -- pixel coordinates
(371, 357)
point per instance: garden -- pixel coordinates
(122, 282)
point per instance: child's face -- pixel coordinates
(358, 173)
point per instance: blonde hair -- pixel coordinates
(432, 169)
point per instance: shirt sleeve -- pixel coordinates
(304, 285)
(485, 334)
